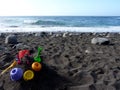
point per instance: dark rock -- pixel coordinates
(44, 34)
(11, 39)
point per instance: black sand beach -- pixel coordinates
(69, 62)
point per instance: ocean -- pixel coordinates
(59, 23)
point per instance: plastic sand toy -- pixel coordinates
(36, 66)
(21, 54)
(11, 66)
(37, 58)
(16, 74)
(28, 75)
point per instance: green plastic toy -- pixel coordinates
(37, 58)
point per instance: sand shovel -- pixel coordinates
(37, 58)
(11, 66)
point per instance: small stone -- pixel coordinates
(87, 51)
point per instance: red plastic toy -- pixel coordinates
(21, 54)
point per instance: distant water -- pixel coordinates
(60, 23)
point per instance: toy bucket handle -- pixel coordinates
(39, 50)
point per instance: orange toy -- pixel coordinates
(36, 66)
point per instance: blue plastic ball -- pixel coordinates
(16, 74)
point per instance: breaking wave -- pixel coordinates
(48, 23)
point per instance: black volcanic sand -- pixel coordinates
(68, 63)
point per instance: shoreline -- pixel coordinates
(100, 29)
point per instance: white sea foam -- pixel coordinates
(55, 29)
(29, 21)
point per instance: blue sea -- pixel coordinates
(59, 23)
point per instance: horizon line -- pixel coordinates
(58, 15)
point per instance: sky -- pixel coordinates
(59, 7)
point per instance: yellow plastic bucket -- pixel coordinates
(28, 75)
